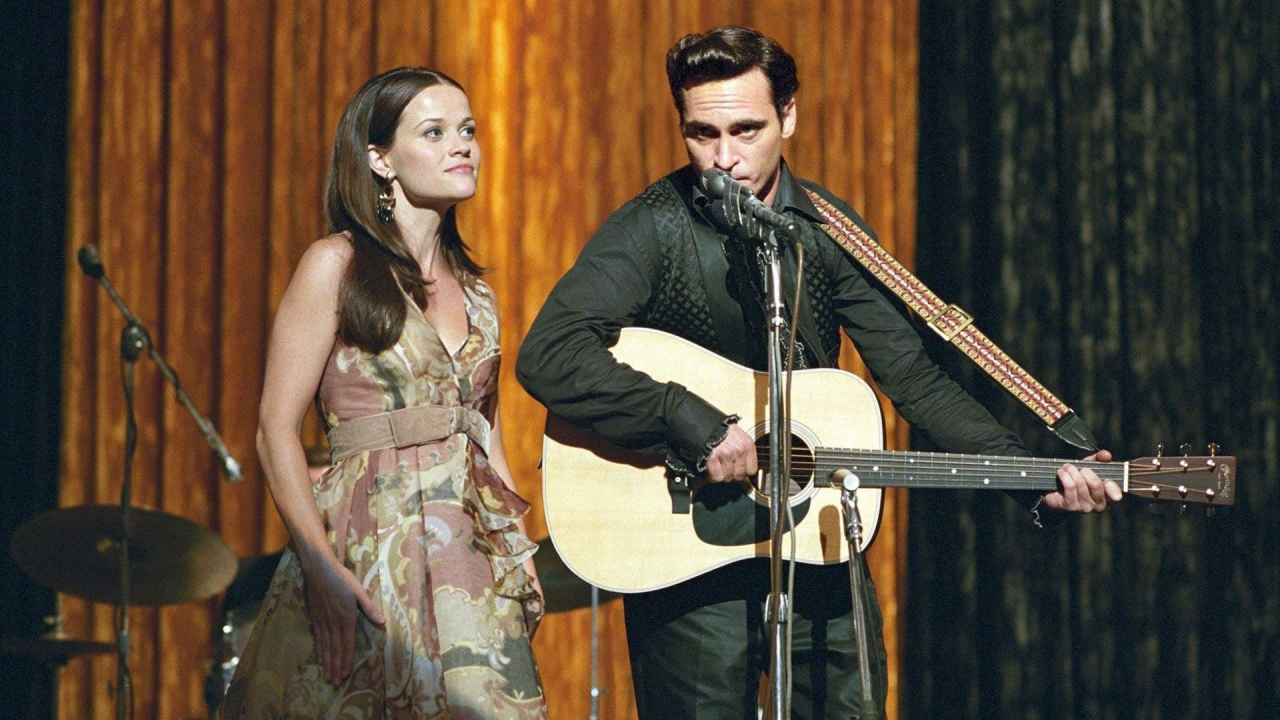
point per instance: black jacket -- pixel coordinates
(655, 266)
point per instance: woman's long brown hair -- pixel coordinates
(371, 308)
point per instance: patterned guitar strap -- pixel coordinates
(954, 325)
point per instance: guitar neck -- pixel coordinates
(882, 468)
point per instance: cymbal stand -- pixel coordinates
(132, 339)
(56, 661)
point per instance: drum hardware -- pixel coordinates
(107, 553)
(78, 550)
(55, 650)
(243, 601)
(240, 607)
(563, 591)
(54, 647)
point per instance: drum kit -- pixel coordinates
(79, 551)
(172, 561)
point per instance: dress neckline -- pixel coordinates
(466, 312)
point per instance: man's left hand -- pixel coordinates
(1081, 490)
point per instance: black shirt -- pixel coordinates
(564, 361)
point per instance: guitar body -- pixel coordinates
(616, 522)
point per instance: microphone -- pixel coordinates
(718, 183)
(229, 464)
(90, 261)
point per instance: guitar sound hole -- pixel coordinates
(802, 467)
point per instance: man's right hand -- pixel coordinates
(734, 458)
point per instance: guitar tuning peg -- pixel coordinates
(1185, 449)
(1213, 449)
(1182, 509)
(1208, 512)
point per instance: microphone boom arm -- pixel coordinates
(91, 264)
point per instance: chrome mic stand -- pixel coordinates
(744, 210)
(853, 532)
(778, 614)
(91, 263)
(595, 654)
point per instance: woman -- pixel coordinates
(408, 589)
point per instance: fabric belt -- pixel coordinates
(406, 428)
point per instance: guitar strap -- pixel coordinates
(954, 325)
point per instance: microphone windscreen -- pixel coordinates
(713, 181)
(90, 261)
(719, 213)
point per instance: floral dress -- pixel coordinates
(431, 531)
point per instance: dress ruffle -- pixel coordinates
(498, 511)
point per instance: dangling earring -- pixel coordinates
(387, 202)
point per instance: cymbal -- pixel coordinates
(562, 590)
(76, 550)
(55, 648)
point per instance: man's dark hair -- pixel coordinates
(727, 52)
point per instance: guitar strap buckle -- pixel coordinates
(948, 331)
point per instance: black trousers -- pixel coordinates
(698, 648)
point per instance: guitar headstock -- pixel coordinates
(1204, 480)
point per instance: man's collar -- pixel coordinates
(790, 195)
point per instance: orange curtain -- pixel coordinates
(199, 138)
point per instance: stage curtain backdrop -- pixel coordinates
(1098, 183)
(199, 139)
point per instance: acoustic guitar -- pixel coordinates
(621, 522)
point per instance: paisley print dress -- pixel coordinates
(431, 531)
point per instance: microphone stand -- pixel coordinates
(778, 612)
(853, 531)
(133, 340)
(594, 712)
(741, 211)
(91, 263)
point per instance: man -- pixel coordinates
(670, 261)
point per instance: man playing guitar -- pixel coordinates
(669, 260)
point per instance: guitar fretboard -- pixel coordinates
(879, 468)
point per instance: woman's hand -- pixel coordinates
(530, 568)
(335, 598)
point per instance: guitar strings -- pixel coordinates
(929, 462)
(1039, 472)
